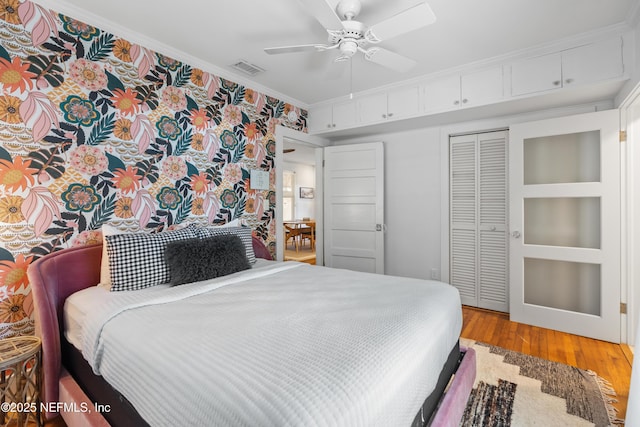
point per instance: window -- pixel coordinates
(288, 194)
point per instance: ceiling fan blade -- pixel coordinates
(389, 59)
(411, 19)
(298, 48)
(324, 13)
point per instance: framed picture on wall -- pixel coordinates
(306, 193)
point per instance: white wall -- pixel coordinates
(305, 177)
(412, 201)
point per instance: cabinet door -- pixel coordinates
(344, 114)
(320, 118)
(593, 62)
(372, 108)
(482, 87)
(442, 94)
(403, 102)
(536, 74)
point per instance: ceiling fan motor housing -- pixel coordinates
(348, 9)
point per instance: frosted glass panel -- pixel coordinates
(563, 285)
(573, 157)
(563, 221)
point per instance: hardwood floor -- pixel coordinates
(611, 361)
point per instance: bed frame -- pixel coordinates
(58, 275)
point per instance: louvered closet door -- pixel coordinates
(478, 219)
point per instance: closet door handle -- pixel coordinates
(516, 234)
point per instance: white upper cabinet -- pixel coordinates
(332, 117)
(320, 118)
(594, 62)
(344, 114)
(537, 74)
(582, 65)
(481, 87)
(585, 64)
(442, 94)
(389, 105)
(466, 90)
(403, 102)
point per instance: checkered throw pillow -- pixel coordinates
(243, 232)
(136, 261)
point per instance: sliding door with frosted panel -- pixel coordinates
(565, 224)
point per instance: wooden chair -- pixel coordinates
(291, 233)
(308, 233)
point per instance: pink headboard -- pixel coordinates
(53, 278)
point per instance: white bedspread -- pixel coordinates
(286, 344)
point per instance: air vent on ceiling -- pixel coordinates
(247, 68)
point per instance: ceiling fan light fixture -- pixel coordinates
(348, 48)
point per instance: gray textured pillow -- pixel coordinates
(194, 260)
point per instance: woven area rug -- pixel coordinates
(514, 389)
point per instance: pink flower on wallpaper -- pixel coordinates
(233, 173)
(88, 237)
(174, 98)
(89, 160)
(174, 167)
(88, 74)
(199, 119)
(199, 183)
(13, 274)
(233, 115)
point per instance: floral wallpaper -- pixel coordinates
(96, 129)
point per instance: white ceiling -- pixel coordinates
(219, 33)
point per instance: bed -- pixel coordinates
(282, 344)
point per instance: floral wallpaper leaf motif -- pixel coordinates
(39, 208)
(142, 131)
(49, 164)
(46, 70)
(38, 20)
(114, 162)
(5, 255)
(183, 76)
(143, 207)
(101, 47)
(143, 58)
(103, 213)
(102, 130)
(38, 112)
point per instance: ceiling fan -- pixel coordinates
(350, 36)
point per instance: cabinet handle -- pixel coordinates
(384, 116)
(464, 101)
(569, 80)
(334, 125)
(329, 125)
(390, 114)
(456, 102)
(556, 83)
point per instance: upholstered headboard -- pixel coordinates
(53, 278)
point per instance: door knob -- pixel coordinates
(516, 234)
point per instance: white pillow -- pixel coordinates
(105, 272)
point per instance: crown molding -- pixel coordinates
(84, 15)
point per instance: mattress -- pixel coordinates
(90, 299)
(282, 344)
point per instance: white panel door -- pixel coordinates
(354, 207)
(565, 224)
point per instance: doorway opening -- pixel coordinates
(299, 201)
(302, 154)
